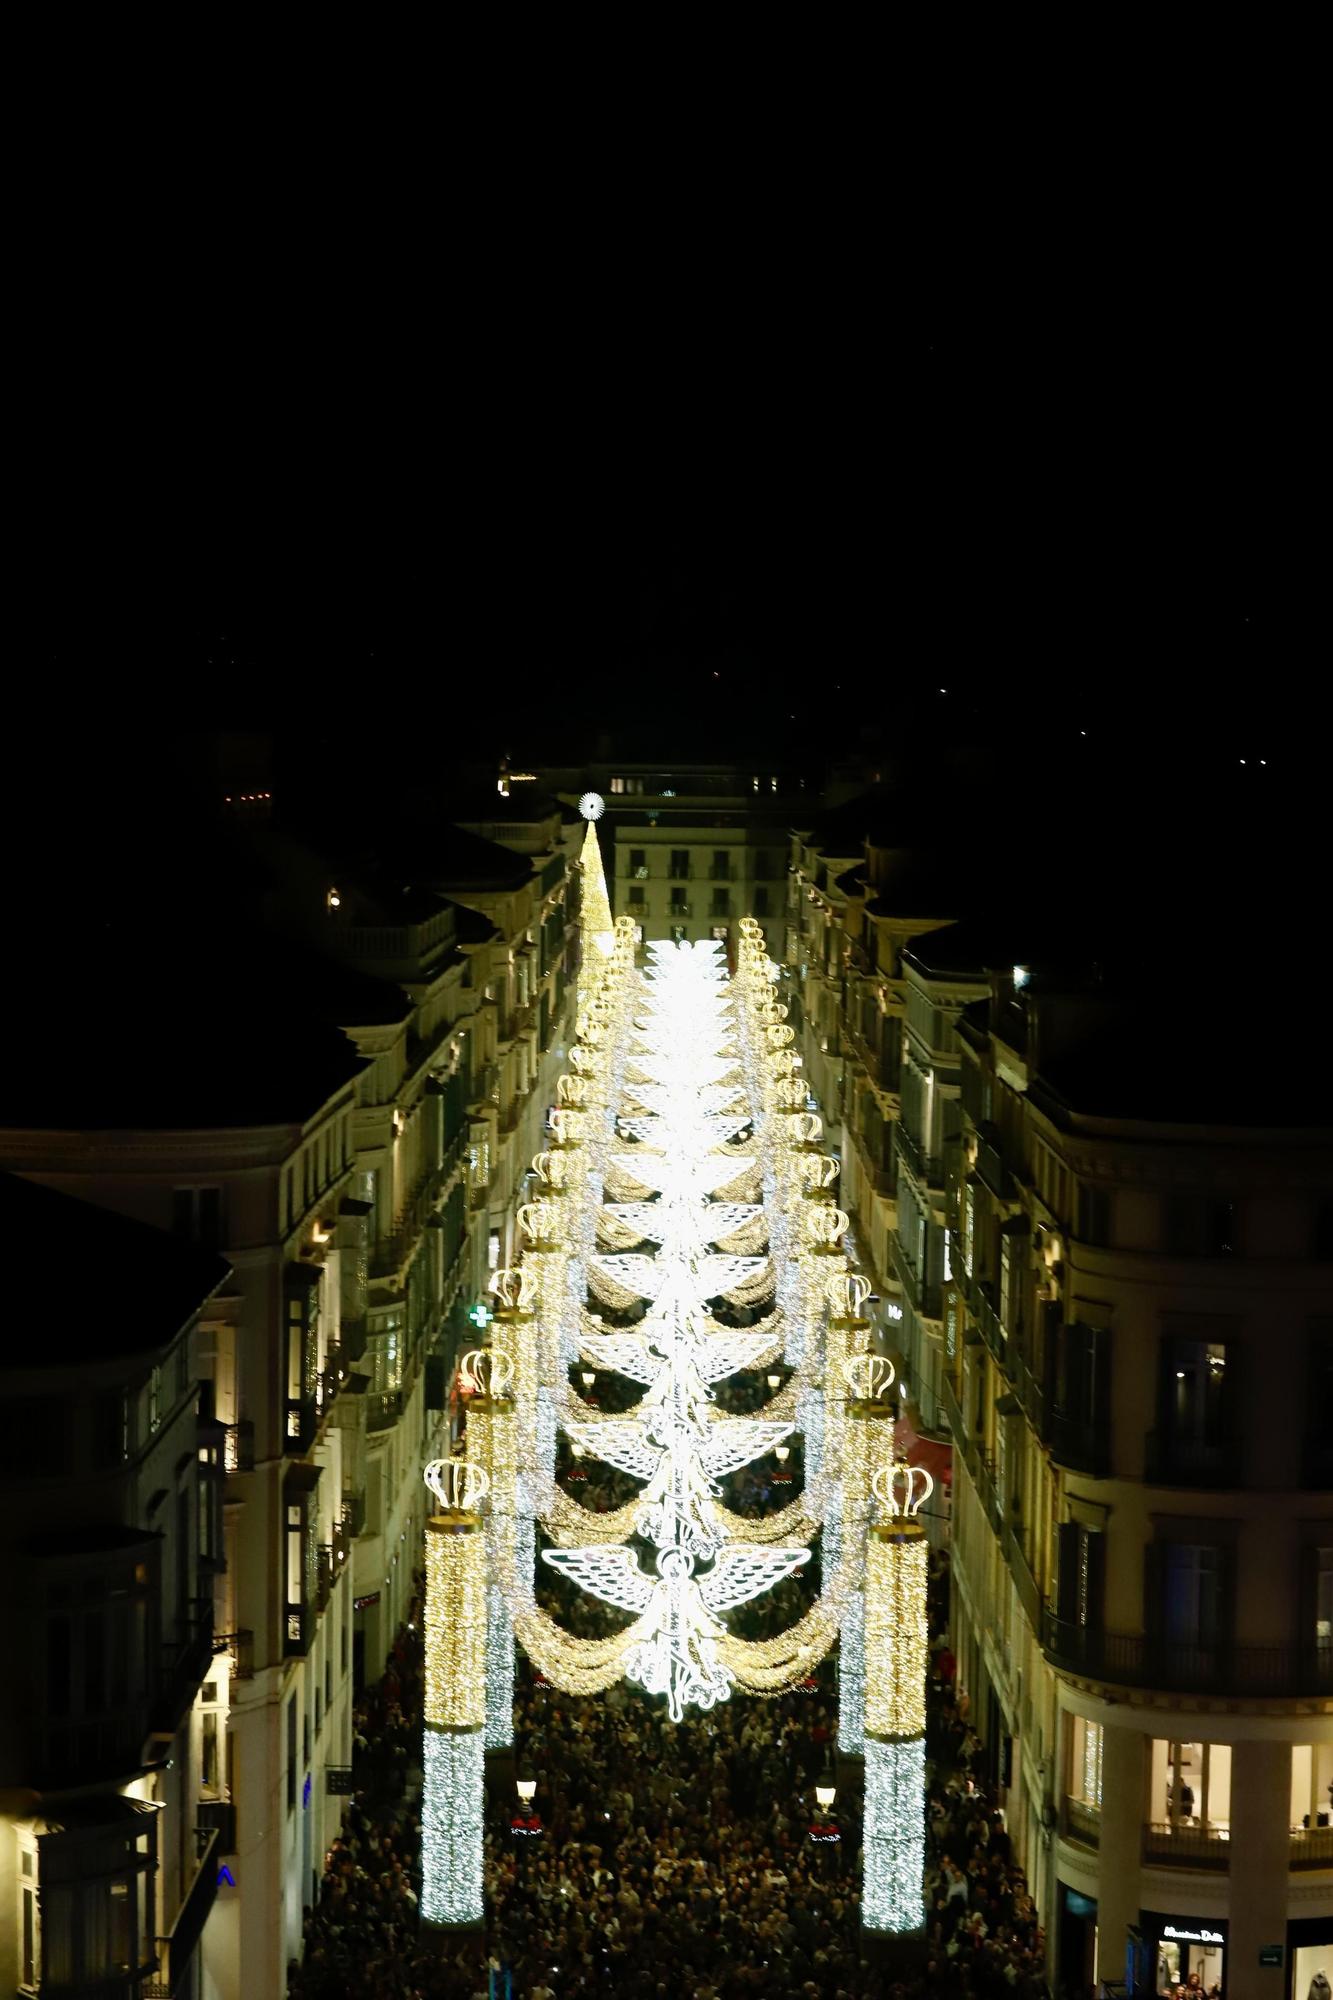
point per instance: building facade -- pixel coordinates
(355, 1156)
(110, 1537)
(1136, 1368)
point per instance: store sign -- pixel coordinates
(893, 1312)
(364, 1603)
(1188, 1935)
(1271, 1954)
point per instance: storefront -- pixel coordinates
(1076, 1945)
(1178, 1947)
(1310, 1957)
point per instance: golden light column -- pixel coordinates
(896, 1639)
(453, 1752)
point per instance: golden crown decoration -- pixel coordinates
(485, 1371)
(868, 1376)
(846, 1294)
(516, 1289)
(901, 1489)
(538, 1220)
(460, 1487)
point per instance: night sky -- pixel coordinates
(1070, 522)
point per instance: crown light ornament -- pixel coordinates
(459, 1486)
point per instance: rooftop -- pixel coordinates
(128, 1288)
(162, 1025)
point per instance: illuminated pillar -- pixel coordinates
(867, 1447)
(490, 1442)
(453, 1752)
(892, 1900)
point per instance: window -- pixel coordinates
(721, 868)
(1191, 1784)
(1192, 1594)
(1194, 1398)
(1322, 1569)
(291, 1754)
(721, 903)
(638, 863)
(196, 1216)
(680, 864)
(1198, 1225)
(1080, 1580)
(29, 1896)
(760, 899)
(95, 1927)
(1085, 1761)
(678, 900)
(1094, 1216)
(637, 897)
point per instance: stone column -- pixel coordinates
(1120, 1851)
(1260, 1857)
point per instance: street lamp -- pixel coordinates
(782, 1453)
(775, 1382)
(826, 1791)
(588, 1378)
(526, 1786)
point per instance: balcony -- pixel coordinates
(1147, 1661)
(879, 1178)
(991, 1168)
(985, 1475)
(185, 1663)
(1025, 1582)
(924, 1298)
(1186, 1846)
(383, 1409)
(98, 1751)
(927, 1169)
(1175, 1461)
(1080, 1446)
(325, 1575)
(1082, 1822)
(988, 1322)
(678, 912)
(240, 1650)
(352, 1339)
(392, 1251)
(177, 1950)
(238, 1446)
(353, 1515)
(1312, 1846)
(302, 1425)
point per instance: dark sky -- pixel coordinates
(1075, 495)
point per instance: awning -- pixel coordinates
(928, 1453)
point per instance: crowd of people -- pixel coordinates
(672, 1862)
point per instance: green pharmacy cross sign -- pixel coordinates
(480, 1315)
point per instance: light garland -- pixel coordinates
(896, 1634)
(852, 1677)
(455, 1650)
(454, 1768)
(456, 1700)
(892, 1897)
(499, 1727)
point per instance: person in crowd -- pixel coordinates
(675, 1861)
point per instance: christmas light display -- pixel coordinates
(453, 1754)
(684, 1168)
(895, 1704)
